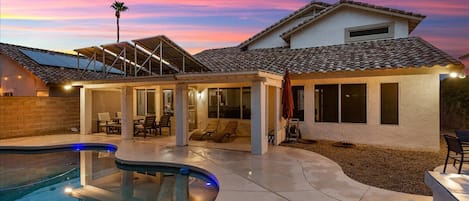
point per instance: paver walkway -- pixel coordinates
(281, 174)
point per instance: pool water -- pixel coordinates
(59, 175)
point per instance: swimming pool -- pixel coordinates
(91, 172)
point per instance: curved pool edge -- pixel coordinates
(195, 171)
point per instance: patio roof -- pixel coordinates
(272, 79)
(152, 56)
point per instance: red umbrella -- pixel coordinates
(287, 97)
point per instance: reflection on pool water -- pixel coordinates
(80, 174)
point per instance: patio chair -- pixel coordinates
(454, 145)
(147, 126)
(228, 132)
(463, 135)
(211, 128)
(165, 121)
(104, 119)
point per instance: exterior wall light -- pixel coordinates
(5, 78)
(453, 75)
(19, 77)
(68, 87)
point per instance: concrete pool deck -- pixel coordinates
(281, 174)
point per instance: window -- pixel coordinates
(212, 103)
(353, 103)
(246, 101)
(326, 101)
(369, 32)
(389, 103)
(168, 105)
(233, 103)
(146, 102)
(229, 103)
(298, 99)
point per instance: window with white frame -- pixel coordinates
(369, 32)
(233, 103)
(146, 102)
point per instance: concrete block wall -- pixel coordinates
(30, 116)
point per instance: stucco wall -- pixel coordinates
(26, 85)
(104, 101)
(330, 30)
(418, 127)
(30, 116)
(273, 38)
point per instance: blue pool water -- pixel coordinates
(57, 173)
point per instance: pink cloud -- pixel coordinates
(429, 7)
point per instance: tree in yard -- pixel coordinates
(118, 7)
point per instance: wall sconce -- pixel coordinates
(5, 78)
(19, 77)
(199, 94)
(68, 87)
(453, 75)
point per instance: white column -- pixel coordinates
(127, 122)
(85, 111)
(182, 114)
(258, 118)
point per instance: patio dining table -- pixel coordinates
(115, 128)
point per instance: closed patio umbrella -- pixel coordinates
(287, 97)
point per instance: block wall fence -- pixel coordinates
(32, 116)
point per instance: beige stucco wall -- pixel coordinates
(27, 85)
(330, 30)
(104, 101)
(418, 127)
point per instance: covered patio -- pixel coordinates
(181, 86)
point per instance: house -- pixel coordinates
(357, 77)
(26, 71)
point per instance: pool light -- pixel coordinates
(68, 190)
(208, 184)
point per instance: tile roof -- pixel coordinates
(420, 17)
(412, 52)
(48, 74)
(284, 20)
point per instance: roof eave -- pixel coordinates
(282, 21)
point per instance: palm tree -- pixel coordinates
(119, 7)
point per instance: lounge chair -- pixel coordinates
(211, 128)
(228, 132)
(147, 126)
(165, 121)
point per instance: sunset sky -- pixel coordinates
(195, 25)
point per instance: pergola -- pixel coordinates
(151, 56)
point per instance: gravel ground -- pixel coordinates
(391, 169)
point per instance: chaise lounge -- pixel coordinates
(228, 132)
(211, 128)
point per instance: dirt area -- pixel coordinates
(395, 170)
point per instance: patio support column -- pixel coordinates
(127, 122)
(182, 114)
(85, 111)
(258, 117)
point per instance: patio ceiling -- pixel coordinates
(147, 57)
